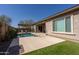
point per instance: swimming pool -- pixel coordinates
(25, 35)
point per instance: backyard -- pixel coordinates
(63, 48)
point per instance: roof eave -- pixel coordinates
(57, 14)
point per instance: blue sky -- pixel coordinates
(35, 12)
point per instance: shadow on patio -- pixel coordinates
(14, 47)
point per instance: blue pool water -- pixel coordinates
(25, 35)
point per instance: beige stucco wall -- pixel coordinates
(76, 25)
(49, 27)
(34, 28)
(75, 35)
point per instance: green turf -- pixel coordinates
(64, 48)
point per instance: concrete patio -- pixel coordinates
(33, 43)
(28, 44)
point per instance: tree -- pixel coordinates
(26, 22)
(26, 25)
(5, 19)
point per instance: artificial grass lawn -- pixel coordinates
(63, 48)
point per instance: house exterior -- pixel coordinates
(64, 24)
(22, 28)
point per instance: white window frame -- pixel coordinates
(65, 24)
(72, 23)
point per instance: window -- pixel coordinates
(62, 24)
(68, 24)
(59, 25)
